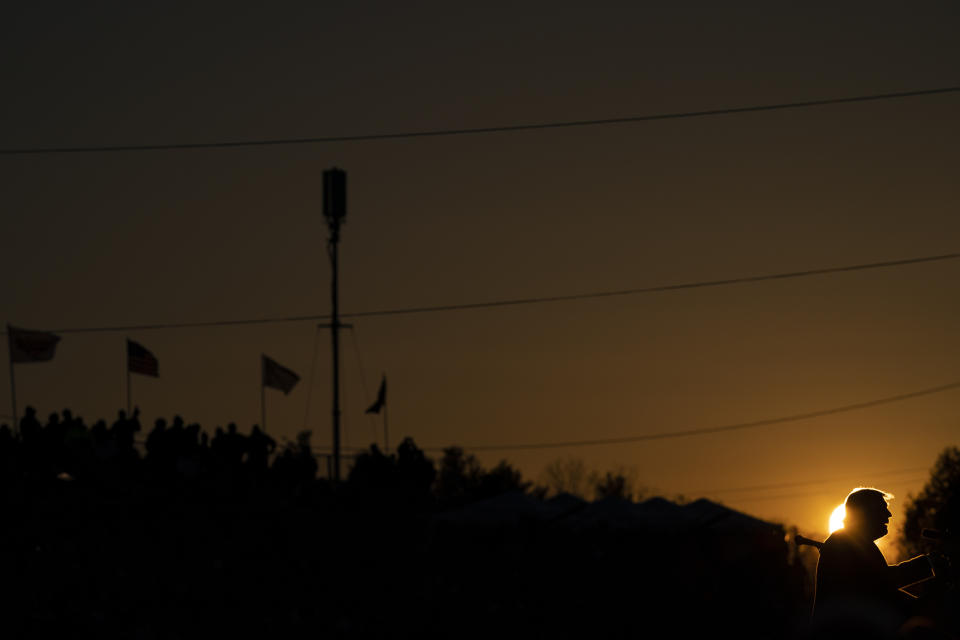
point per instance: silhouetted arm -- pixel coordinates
(910, 571)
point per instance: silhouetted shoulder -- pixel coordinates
(838, 542)
(848, 552)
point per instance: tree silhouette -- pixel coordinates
(568, 475)
(416, 472)
(457, 477)
(937, 506)
(372, 471)
(571, 475)
(401, 480)
(500, 479)
(613, 485)
(461, 479)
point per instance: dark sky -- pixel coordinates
(106, 239)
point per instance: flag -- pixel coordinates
(381, 397)
(31, 346)
(276, 376)
(140, 360)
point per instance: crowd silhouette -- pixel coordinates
(174, 454)
(173, 533)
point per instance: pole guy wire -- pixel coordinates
(313, 368)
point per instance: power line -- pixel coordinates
(709, 430)
(806, 494)
(803, 483)
(484, 130)
(517, 301)
(655, 289)
(718, 429)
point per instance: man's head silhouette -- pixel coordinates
(867, 513)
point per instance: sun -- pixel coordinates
(836, 518)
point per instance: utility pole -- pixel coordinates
(335, 210)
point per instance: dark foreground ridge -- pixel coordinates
(198, 538)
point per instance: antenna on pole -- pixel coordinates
(334, 211)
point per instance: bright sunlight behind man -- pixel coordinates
(836, 518)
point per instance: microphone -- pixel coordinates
(807, 541)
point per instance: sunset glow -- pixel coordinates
(836, 518)
(524, 354)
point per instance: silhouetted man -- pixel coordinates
(855, 585)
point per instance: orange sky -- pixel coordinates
(132, 238)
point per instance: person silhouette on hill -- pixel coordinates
(124, 431)
(157, 443)
(235, 445)
(259, 448)
(854, 582)
(30, 428)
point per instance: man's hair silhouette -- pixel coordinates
(867, 512)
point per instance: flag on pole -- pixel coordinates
(381, 397)
(276, 376)
(31, 346)
(140, 360)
